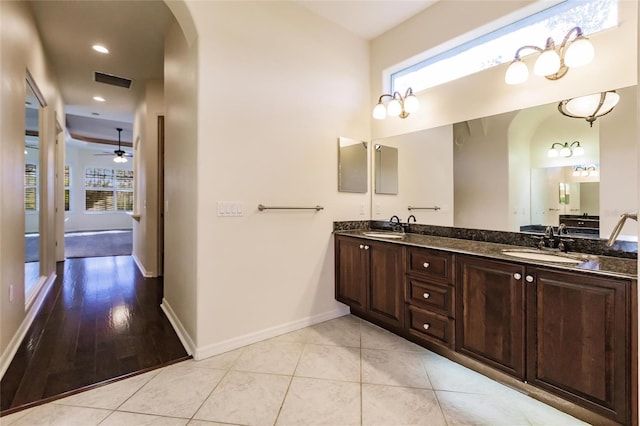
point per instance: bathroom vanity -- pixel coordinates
(568, 327)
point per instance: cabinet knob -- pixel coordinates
(366, 247)
(425, 264)
(426, 326)
(517, 276)
(529, 278)
(426, 295)
(361, 246)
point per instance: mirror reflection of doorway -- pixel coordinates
(32, 270)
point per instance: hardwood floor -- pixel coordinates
(100, 321)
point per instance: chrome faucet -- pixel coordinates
(549, 232)
(562, 229)
(396, 224)
(618, 228)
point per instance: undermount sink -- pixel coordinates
(383, 235)
(546, 257)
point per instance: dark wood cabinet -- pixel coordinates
(369, 276)
(578, 340)
(352, 273)
(430, 296)
(490, 313)
(568, 333)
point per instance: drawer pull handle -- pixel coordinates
(426, 295)
(426, 326)
(425, 264)
(517, 276)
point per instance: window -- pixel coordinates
(108, 190)
(499, 46)
(30, 187)
(67, 188)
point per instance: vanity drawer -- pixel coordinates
(430, 263)
(431, 296)
(431, 326)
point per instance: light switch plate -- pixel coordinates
(230, 208)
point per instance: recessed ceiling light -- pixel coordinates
(100, 48)
(99, 98)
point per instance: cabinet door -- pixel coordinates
(386, 295)
(578, 340)
(352, 269)
(490, 313)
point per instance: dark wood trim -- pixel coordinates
(98, 140)
(34, 133)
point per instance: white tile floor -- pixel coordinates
(341, 372)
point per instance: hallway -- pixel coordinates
(101, 320)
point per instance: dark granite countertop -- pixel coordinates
(592, 264)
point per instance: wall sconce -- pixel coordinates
(551, 63)
(565, 150)
(585, 171)
(589, 107)
(398, 106)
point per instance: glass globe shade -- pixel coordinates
(379, 112)
(565, 151)
(576, 172)
(516, 73)
(585, 106)
(584, 173)
(578, 150)
(548, 63)
(394, 108)
(411, 103)
(552, 153)
(594, 173)
(579, 53)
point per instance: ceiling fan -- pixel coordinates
(120, 155)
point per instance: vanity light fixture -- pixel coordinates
(398, 106)
(584, 171)
(552, 63)
(565, 150)
(589, 107)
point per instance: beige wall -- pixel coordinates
(21, 49)
(145, 136)
(276, 86)
(181, 184)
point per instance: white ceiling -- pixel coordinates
(134, 33)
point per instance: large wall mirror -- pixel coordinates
(503, 179)
(32, 183)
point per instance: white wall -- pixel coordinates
(425, 177)
(145, 136)
(79, 158)
(21, 49)
(276, 86)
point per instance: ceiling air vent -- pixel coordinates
(113, 80)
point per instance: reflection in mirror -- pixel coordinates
(352, 165)
(32, 188)
(424, 177)
(386, 169)
(499, 166)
